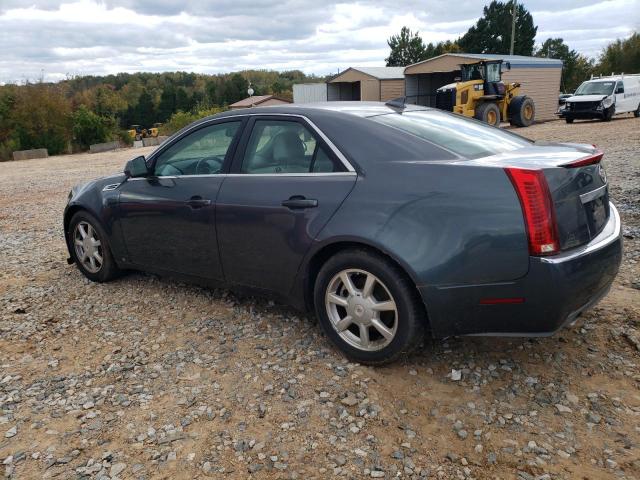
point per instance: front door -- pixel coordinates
(168, 218)
(285, 185)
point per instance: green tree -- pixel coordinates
(621, 56)
(167, 105)
(144, 112)
(575, 67)
(434, 50)
(406, 48)
(90, 128)
(492, 32)
(234, 89)
(183, 102)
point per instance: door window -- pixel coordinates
(279, 146)
(493, 72)
(199, 153)
(619, 87)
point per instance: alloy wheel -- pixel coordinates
(361, 309)
(88, 247)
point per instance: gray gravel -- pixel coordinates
(148, 378)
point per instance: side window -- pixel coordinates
(619, 87)
(493, 72)
(279, 146)
(199, 153)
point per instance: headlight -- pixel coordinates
(607, 102)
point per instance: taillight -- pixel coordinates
(584, 161)
(537, 207)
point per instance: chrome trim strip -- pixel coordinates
(110, 187)
(316, 174)
(610, 234)
(593, 194)
(333, 148)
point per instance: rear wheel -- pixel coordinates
(522, 111)
(568, 120)
(90, 248)
(488, 113)
(637, 112)
(368, 307)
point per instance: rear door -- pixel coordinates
(286, 182)
(168, 218)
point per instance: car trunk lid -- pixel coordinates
(576, 184)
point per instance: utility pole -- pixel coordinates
(513, 26)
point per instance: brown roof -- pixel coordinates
(257, 100)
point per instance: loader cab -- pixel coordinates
(489, 72)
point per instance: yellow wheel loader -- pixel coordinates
(481, 94)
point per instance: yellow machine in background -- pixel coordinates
(481, 94)
(153, 131)
(136, 132)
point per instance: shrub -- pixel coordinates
(180, 119)
(89, 128)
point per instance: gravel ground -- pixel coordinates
(148, 378)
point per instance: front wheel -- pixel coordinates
(368, 307)
(568, 120)
(488, 113)
(636, 113)
(90, 248)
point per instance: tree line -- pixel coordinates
(492, 34)
(72, 114)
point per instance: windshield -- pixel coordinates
(460, 135)
(595, 88)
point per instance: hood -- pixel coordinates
(586, 98)
(98, 183)
(447, 87)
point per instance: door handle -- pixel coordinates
(198, 202)
(299, 202)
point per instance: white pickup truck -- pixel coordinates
(603, 97)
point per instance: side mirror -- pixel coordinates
(136, 168)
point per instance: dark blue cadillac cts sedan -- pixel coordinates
(387, 221)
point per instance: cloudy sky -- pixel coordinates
(57, 38)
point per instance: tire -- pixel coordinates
(636, 113)
(568, 120)
(401, 316)
(94, 270)
(609, 114)
(522, 111)
(488, 113)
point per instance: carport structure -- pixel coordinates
(367, 84)
(539, 78)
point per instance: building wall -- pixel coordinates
(309, 92)
(390, 89)
(541, 84)
(442, 64)
(370, 89)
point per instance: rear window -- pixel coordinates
(465, 137)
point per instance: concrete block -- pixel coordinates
(103, 147)
(162, 139)
(29, 154)
(150, 141)
(137, 144)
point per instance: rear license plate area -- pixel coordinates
(597, 211)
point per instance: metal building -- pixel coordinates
(367, 84)
(539, 78)
(309, 92)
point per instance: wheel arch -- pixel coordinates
(69, 212)
(327, 250)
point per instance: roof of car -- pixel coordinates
(360, 109)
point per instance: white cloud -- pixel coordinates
(74, 37)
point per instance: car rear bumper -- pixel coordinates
(554, 292)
